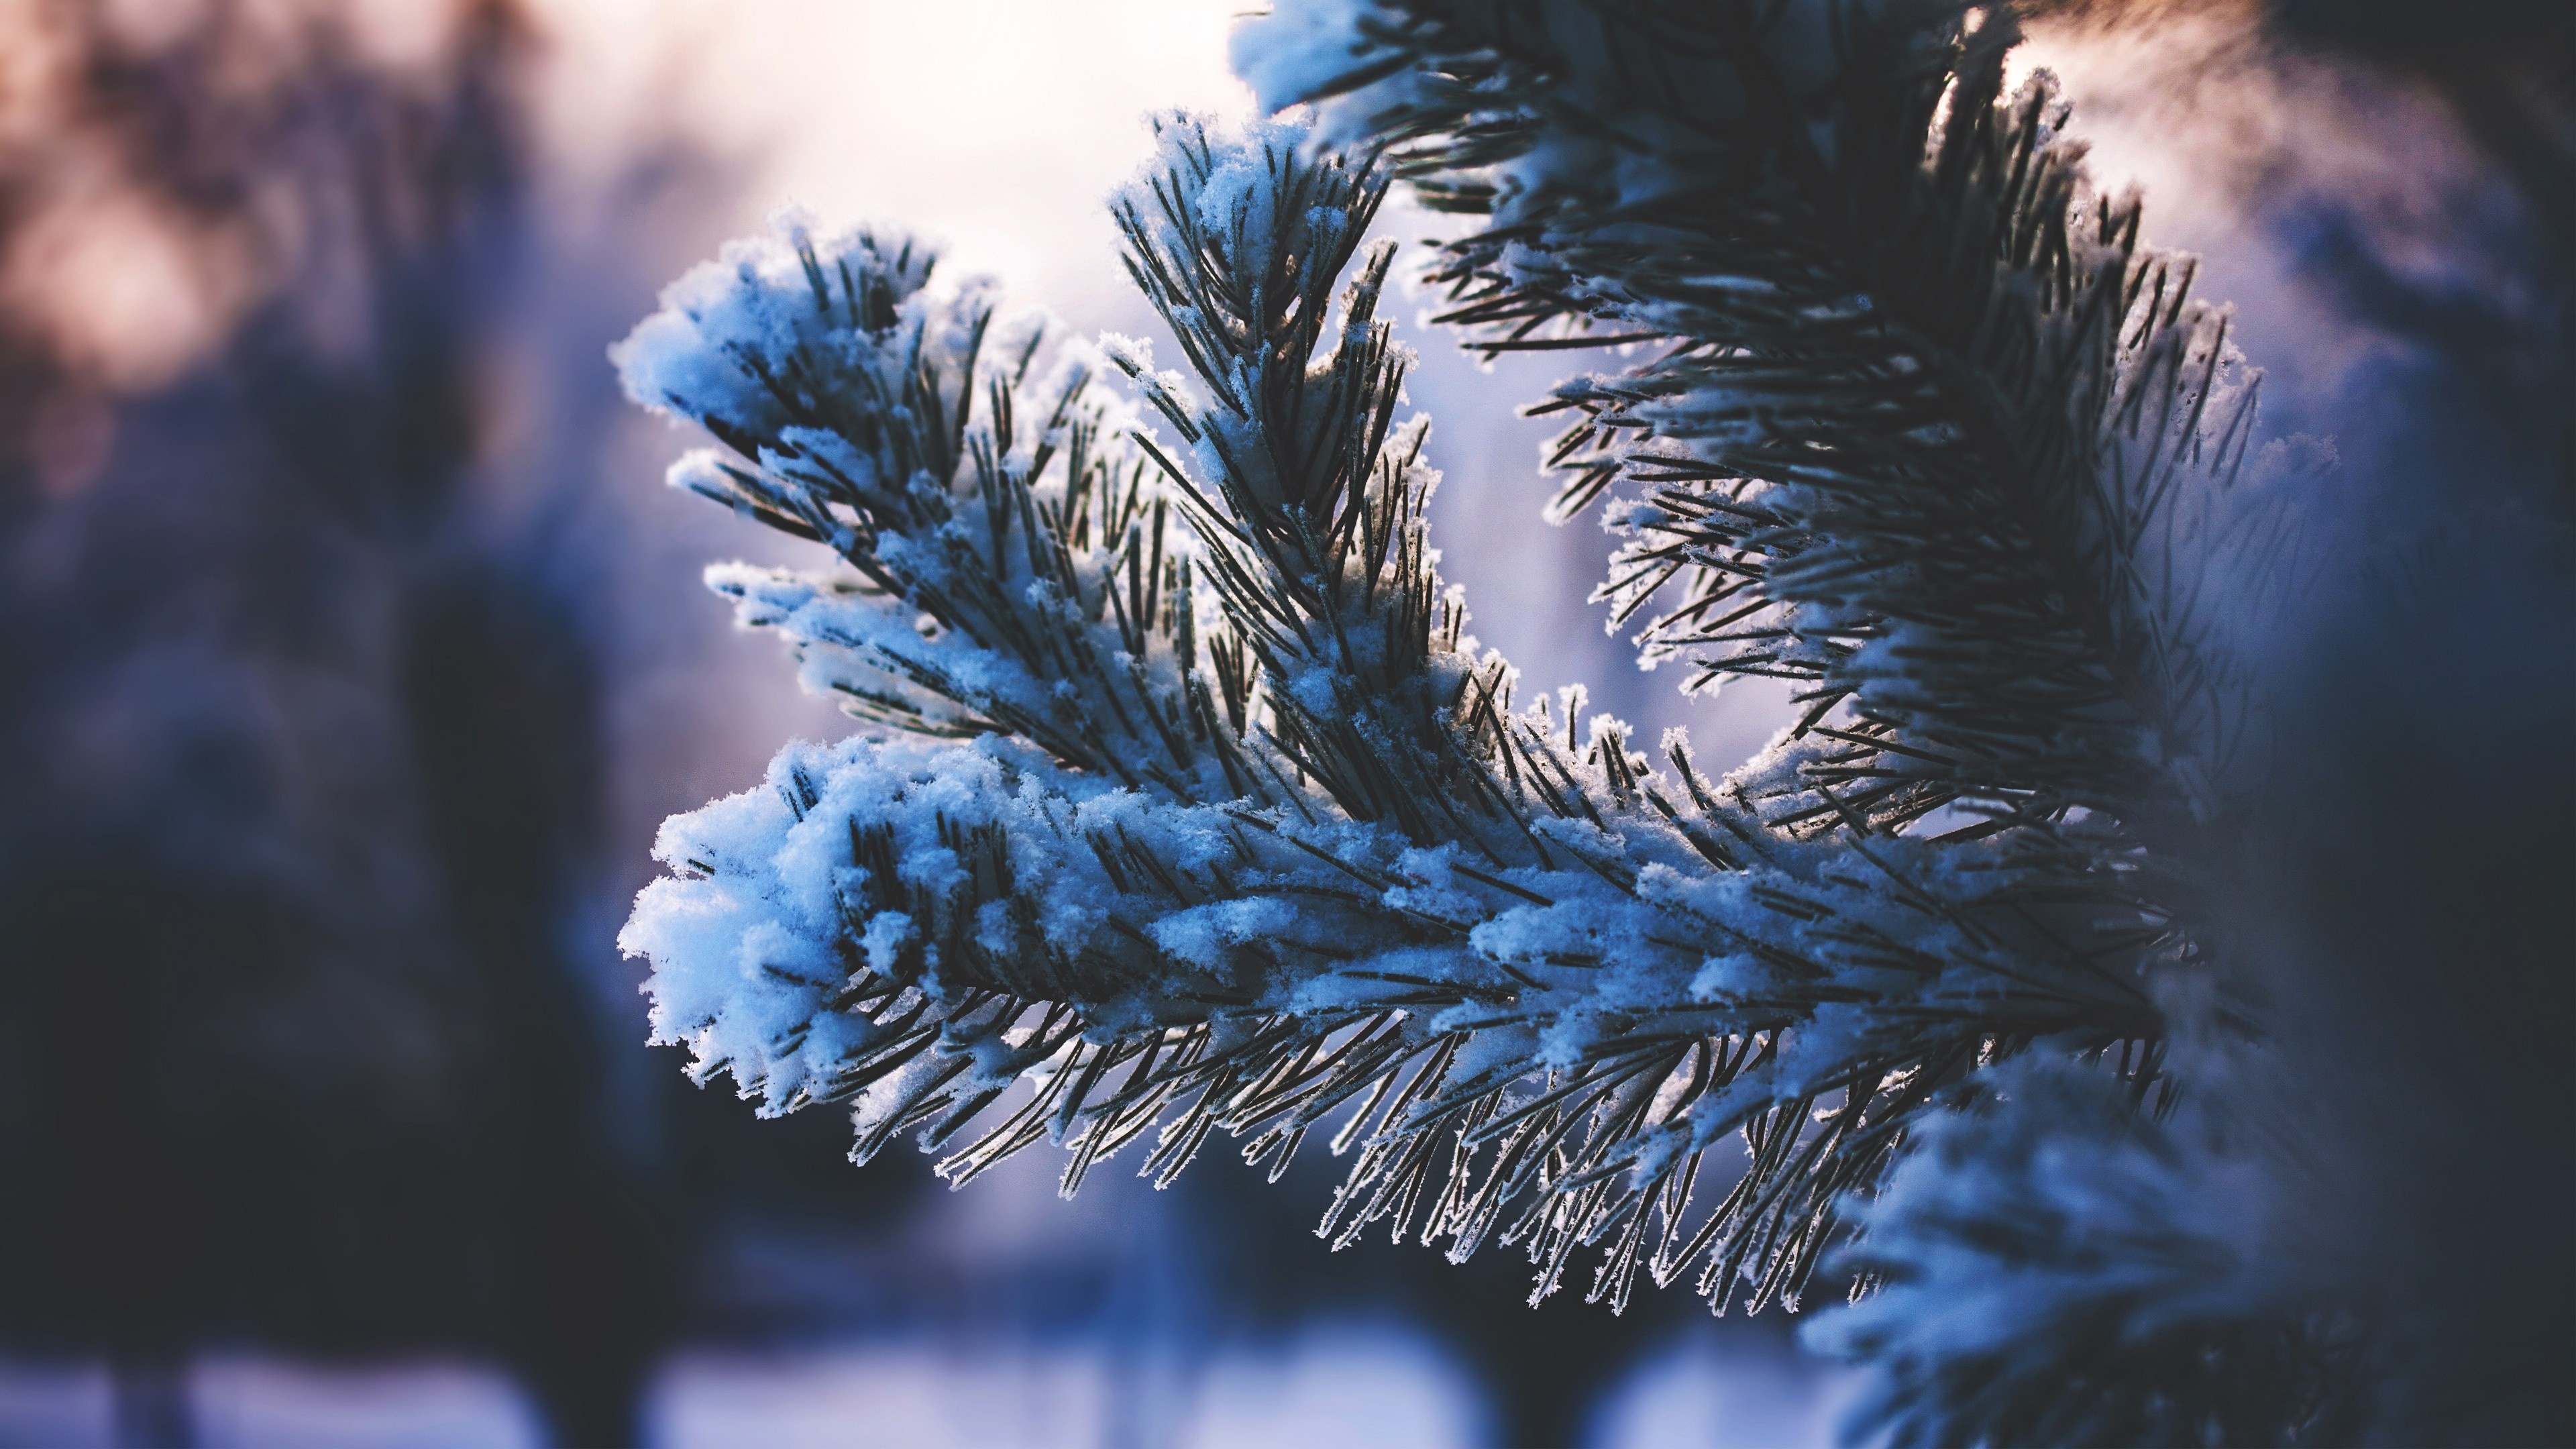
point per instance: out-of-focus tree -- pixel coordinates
(303, 735)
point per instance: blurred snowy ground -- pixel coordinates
(1350, 1384)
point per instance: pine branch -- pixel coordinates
(1188, 803)
(1546, 980)
(1929, 434)
(1014, 567)
(2064, 1270)
(1925, 409)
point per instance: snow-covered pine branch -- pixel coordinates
(1012, 565)
(1188, 802)
(1543, 978)
(1926, 432)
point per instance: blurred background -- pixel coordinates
(350, 652)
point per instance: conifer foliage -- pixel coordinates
(1190, 805)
